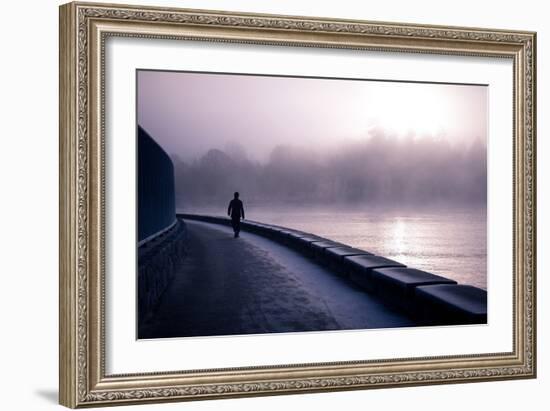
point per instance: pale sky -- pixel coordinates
(190, 113)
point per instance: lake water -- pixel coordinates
(451, 243)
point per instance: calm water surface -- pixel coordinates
(451, 243)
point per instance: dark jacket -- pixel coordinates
(235, 209)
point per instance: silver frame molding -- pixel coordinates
(83, 30)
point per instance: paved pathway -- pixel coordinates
(252, 285)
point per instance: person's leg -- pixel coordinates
(234, 224)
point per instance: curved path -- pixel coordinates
(252, 285)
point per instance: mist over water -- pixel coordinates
(378, 170)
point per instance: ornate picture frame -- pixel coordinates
(84, 30)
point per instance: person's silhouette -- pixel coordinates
(236, 212)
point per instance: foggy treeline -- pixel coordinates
(377, 170)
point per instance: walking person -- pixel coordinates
(236, 212)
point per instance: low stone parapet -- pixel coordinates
(398, 284)
(450, 304)
(360, 268)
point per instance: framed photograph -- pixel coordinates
(260, 204)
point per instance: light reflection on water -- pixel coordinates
(451, 243)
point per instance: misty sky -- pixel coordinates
(190, 113)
